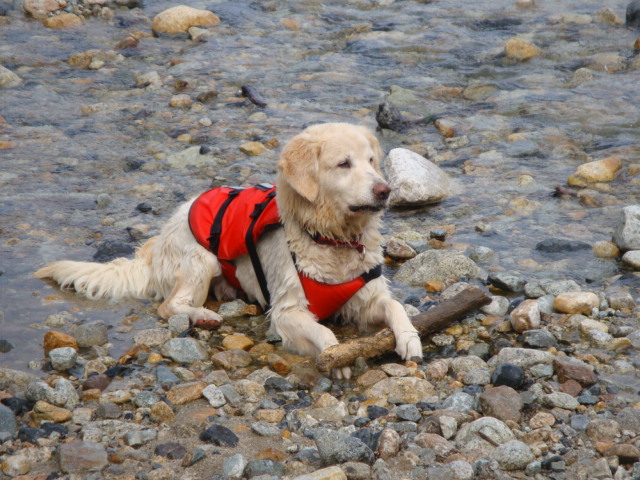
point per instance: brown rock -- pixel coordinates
(278, 364)
(53, 339)
(271, 415)
(576, 302)
(526, 316)
(41, 9)
(440, 445)
(100, 382)
(521, 50)
(625, 452)
(252, 148)
(398, 249)
(232, 359)
(261, 349)
(502, 402)
(603, 429)
(291, 24)
(571, 387)
(182, 100)
(599, 171)
(605, 249)
(542, 419)
(179, 19)
(241, 342)
(161, 412)
(82, 457)
(571, 369)
(63, 21)
(43, 411)
(446, 128)
(371, 377)
(388, 444)
(185, 392)
(271, 454)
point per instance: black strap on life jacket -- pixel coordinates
(216, 226)
(253, 251)
(372, 274)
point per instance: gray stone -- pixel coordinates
(545, 304)
(108, 410)
(234, 466)
(579, 422)
(232, 309)
(63, 394)
(482, 254)
(190, 157)
(152, 337)
(506, 281)
(146, 399)
(513, 455)
(62, 359)
(8, 79)
(335, 447)
(483, 435)
(629, 419)
(466, 364)
(214, 396)
(632, 258)
(435, 265)
(619, 300)
(164, 376)
(178, 323)
(499, 306)
(230, 394)
(414, 180)
(7, 420)
(521, 357)
(541, 371)
(479, 376)
(540, 338)
(140, 437)
(560, 400)
(265, 429)
(627, 232)
(267, 468)
(460, 401)
(540, 288)
(355, 470)
(408, 412)
(401, 97)
(91, 334)
(184, 350)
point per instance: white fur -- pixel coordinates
(316, 193)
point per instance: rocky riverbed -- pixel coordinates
(512, 132)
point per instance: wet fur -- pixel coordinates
(314, 195)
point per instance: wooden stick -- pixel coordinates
(431, 321)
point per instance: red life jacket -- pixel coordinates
(229, 221)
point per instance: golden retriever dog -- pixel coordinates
(330, 196)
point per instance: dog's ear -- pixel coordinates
(298, 165)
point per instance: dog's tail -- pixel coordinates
(119, 278)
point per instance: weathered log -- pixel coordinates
(431, 321)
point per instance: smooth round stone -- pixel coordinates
(459, 401)
(146, 399)
(62, 359)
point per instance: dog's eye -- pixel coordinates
(345, 164)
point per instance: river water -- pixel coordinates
(83, 148)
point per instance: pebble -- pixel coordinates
(62, 21)
(53, 339)
(540, 338)
(82, 457)
(348, 470)
(220, 436)
(521, 357)
(63, 358)
(560, 400)
(627, 231)
(632, 258)
(152, 337)
(241, 342)
(483, 435)
(507, 282)
(573, 369)
(8, 422)
(403, 389)
(526, 316)
(232, 359)
(398, 249)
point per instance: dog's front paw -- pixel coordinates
(343, 373)
(409, 346)
(205, 319)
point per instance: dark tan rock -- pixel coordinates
(571, 369)
(502, 402)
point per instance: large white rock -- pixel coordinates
(414, 180)
(436, 265)
(627, 232)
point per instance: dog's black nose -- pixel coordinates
(381, 191)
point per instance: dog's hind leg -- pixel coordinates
(192, 279)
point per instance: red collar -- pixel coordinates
(320, 240)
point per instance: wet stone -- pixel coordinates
(53, 340)
(62, 359)
(278, 383)
(219, 435)
(232, 359)
(435, 265)
(507, 282)
(90, 334)
(108, 250)
(164, 376)
(555, 245)
(7, 420)
(153, 337)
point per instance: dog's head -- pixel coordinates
(336, 167)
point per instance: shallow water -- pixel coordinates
(76, 134)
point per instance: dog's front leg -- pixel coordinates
(301, 332)
(388, 311)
